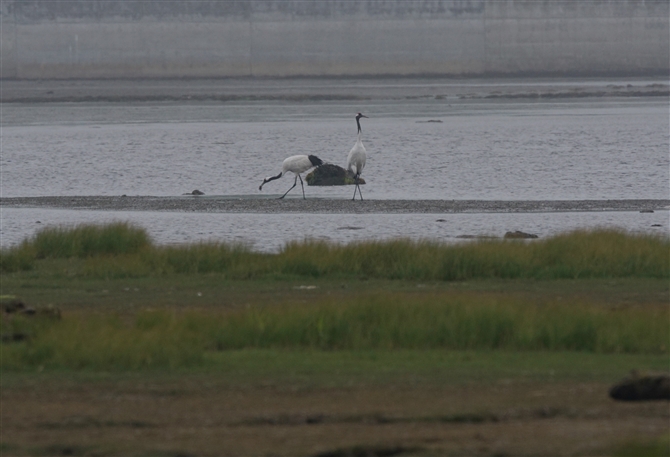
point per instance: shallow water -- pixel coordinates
(554, 150)
(269, 232)
(570, 149)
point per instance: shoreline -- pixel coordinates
(300, 90)
(269, 205)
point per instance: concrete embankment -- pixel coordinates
(42, 39)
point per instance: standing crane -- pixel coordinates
(295, 164)
(357, 157)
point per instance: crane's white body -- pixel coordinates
(295, 164)
(357, 157)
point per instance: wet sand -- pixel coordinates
(254, 204)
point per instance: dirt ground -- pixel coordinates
(202, 415)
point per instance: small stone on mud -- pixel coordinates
(519, 235)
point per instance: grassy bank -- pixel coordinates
(251, 308)
(122, 251)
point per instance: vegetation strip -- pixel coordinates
(121, 250)
(164, 339)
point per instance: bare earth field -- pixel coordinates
(206, 416)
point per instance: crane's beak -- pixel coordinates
(363, 115)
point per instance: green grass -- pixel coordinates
(123, 251)
(385, 321)
(656, 448)
(169, 340)
(314, 368)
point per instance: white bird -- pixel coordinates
(356, 159)
(296, 164)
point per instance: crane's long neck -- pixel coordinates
(358, 122)
(271, 178)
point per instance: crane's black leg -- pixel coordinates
(303, 188)
(294, 184)
(360, 194)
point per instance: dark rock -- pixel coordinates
(519, 235)
(646, 210)
(14, 306)
(18, 307)
(13, 337)
(329, 174)
(640, 387)
(195, 192)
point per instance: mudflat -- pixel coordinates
(251, 204)
(323, 89)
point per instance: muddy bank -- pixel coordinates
(249, 204)
(322, 89)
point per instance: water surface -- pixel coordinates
(418, 148)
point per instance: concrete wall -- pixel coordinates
(143, 38)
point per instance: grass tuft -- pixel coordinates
(20, 258)
(156, 340)
(89, 240)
